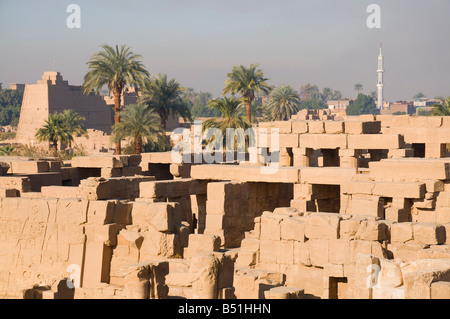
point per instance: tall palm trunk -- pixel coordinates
(55, 147)
(117, 108)
(163, 114)
(137, 145)
(248, 109)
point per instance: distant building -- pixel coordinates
(424, 102)
(339, 107)
(1, 86)
(16, 86)
(402, 107)
(52, 94)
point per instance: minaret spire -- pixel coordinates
(380, 78)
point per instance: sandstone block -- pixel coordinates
(100, 212)
(293, 229)
(348, 228)
(128, 237)
(288, 140)
(375, 141)
(403, 190)
(361, 127)
(318, 252)
(405, 252)
(268, 251)
(372, 230)
(339, 251)
(284, 293)
(162, 216)
(334, 127)
(322, 226)
(22, 184)
(100, 161)
(202, 242)
(357, 187)
(443, 199)
(299, 127)
(29, 167)
(316, 127)
(412, 169)
(390, 274)
(159, 244)
(440, 290)
(102, 233)
(369, 207)
(326, 175)
(60, 191)
(96, 264)
(401, 232)
(328, 141)
(301, 254)
(429, 233)
(433, 186)
(271, 226)
(284, 127)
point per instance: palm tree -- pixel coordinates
(139, 124)
(247, 82)
(74, 123)
(231, 117)
(190, 94)
(6, 150)
(54, 130)
(166, 98)
(283, 102)
(358, 87)
(115, 68)
(441, 109)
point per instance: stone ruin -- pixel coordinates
(358, 209)
(53, 94)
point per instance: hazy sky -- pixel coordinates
(323, 42)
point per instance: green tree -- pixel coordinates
(6, 150)
(363, 104)
(329, 94)
(165, 97)
(115, 68)
(54, 130)
(441, 109)
(358, 87)
(232, 116)
(10, 104)
(312, 98)
(74, 123)
(418, 96)
(200, 107)
(309, 92)
(139, 124)
(247, 82)
(283, 102)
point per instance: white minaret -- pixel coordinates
(380, 80)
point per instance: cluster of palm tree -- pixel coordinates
(161, 98)
(118, 68)
(61, 127)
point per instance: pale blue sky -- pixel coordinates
(323, 42)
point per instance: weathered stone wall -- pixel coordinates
(53, 94)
